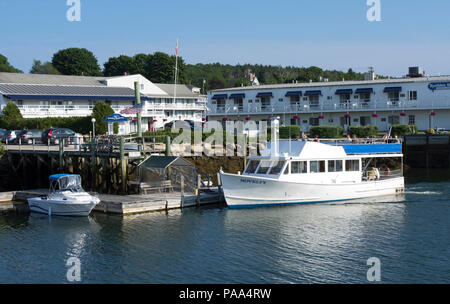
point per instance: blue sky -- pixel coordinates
(330, 34)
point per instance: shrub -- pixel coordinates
(431, 131)
(363, 131)
(290, 131)
(326, 131)
(401, 130)
(100, 112)
(11, 116)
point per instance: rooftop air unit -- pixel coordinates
(416, 72)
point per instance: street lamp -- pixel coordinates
(93, 127)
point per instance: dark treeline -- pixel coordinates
(159, 67)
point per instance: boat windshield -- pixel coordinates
(277, 167)
(252, 166)
(70, 182)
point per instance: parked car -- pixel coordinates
(19, 134)
(10, 136)
(2, 135)
(56, 134)
(30, 135)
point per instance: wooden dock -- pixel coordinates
(123, 204)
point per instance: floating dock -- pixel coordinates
(123, 204)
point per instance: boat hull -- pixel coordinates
(60, 207)
(243, 191)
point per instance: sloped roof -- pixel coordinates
(36, 89)
(19, 78)
(162, 162)
(182, 90)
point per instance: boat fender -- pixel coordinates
(377, 173)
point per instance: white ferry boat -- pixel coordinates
(301, 172)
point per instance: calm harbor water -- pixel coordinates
(294, 244)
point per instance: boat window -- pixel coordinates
(299, 167)
(276, 168)
(335, 166)
(316, 166)
(286, 171)
(352, 165)
(252, 166)
(264, 167)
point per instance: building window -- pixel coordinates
(314, 121)
(295, 99)
(383, 119)
(329, 97)
(365, 121)
(239, 103)
(250, 101)
(394, 96)
(364, 97)
(394, 120)
(412, 95)
(411, 119)
(220, 104)
(281, 100)
(265, 103)
(314, 101)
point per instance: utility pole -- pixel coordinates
(137, 93)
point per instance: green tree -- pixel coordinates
(140, 62)
(43, 68)
(6, 67)
(116, 66)
(76, 61)
(100, 112)
(11, 117)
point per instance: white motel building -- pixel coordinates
(414, 99)
(66, 96)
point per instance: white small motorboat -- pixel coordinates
(66, 197)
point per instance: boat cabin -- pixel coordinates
(65, 182)
(333, 162)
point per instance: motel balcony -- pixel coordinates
(335, 106)
(86, 110)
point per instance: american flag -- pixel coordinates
(135, 109)
(176, 50)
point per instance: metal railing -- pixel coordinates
(307, 107)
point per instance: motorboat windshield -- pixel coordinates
(62, 182)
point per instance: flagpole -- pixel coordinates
(176, 72)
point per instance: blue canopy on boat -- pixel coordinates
(372, 148)
(55, 177)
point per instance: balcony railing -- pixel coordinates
(327, 106)
(85, 110)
